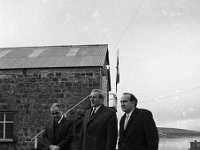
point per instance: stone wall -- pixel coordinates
(30, 92)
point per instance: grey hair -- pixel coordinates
(101, 94)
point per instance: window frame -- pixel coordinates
(4, 122)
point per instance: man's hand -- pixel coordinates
(51, 147)
(54, 147)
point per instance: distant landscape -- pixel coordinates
(176, 133)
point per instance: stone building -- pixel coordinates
(32, 78)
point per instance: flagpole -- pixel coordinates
(117, 71)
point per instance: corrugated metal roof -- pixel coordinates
(53, 56)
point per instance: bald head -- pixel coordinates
(56, 112)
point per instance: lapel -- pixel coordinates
(131, 123)
(132, 118)
(122, 125)
(95, 116)
(51, 128)
(87, 116)
(99, 111)
(60, 128)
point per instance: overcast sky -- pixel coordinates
(158, 42)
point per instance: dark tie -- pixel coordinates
(55, 124)
(93, 111)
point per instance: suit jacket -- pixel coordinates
(99, 132)
(140, 133)
(62, 136)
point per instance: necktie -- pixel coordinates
(93, 111)
(126, 121)
(55, 124)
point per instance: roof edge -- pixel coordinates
(44, 46)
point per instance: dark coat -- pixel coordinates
(63, 136)
(141, 132)
(99, 131)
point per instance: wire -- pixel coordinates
(172, 95)
(126, 28)
(162, 91)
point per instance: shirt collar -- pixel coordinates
(96, 108)
(129, 114)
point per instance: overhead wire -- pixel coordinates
(124, 32)
(168, 96)
(126, 28)
(162, 91)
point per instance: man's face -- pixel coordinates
(56, 113)
(126, 104)
(95, 100)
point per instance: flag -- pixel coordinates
(117, 70)
(117, 67)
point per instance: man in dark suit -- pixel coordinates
(138, 130)
(58, 133)
(99, 131)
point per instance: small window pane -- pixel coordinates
(1, 130)
(9, 116)
(9, 130)
(1, 116)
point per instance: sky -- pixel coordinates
(158, 43)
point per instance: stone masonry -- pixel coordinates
(30, 92)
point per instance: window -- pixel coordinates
(6, 126)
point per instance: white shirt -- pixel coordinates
(96, 108)
(127, 118)
(130, 113)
